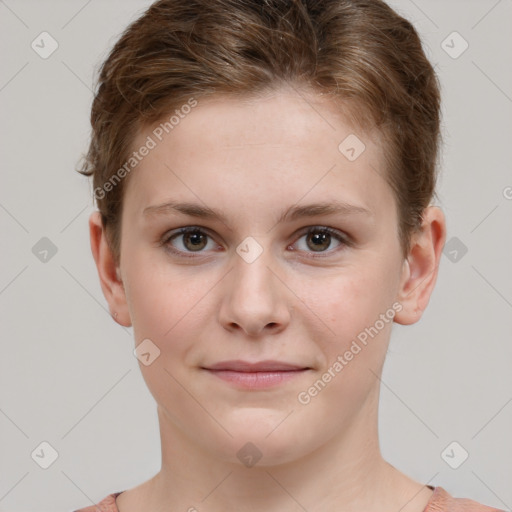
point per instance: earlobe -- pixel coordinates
(108, 271)
(420, 269)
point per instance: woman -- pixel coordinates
(264, 173)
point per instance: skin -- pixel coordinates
(252, 159)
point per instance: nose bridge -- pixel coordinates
(252, 278)
(256, 298)
(251, 272)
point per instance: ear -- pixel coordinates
(419, 272)
(108, 271)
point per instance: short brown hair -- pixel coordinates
(360, 52)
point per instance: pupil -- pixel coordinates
(323, 239)
(194, 238)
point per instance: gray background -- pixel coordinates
(67, 372)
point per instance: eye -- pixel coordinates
(319, 238)
(190, 238)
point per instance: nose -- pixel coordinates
(255, 300)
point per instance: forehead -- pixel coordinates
(285, 144)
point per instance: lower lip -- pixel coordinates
(257, 380)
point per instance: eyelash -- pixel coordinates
(344, 241)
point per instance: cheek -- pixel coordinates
(354, 347)
(173, 307)
(156, 299)
(348, 309)
(344, 300)
(166, 309)
(161, 305)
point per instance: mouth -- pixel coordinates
(259, 375)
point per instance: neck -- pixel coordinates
(346, 472)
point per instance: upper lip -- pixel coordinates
(260, 366)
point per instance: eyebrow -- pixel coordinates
(290, 214)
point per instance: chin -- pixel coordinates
(245, 451)
(261, 438)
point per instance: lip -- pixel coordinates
(260, 366)
(258, 375)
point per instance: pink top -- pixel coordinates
(440, 501)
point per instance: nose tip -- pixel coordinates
(255, 329)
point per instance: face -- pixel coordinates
(261, 274)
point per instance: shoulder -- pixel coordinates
(107, 504)
(442, 501)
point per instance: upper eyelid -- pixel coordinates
(209, 232)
